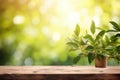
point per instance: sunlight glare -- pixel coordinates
(73, 19)
(19, 19)
(31, 32)
(46, 5)
(56, 36)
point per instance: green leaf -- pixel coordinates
(109, 48)
(100, 57)
(81, 42)
(100, 28)
(113, 39)
(72, 44)
(91, 57)
(103, 43)
(100, 34)
(118, 49)
(111, 31)
(89, 48)
(77, 30)
(107, 39)
(115, 25)
(117, 35)
(76, 59)
(92, 28)
(89, 37)
(75, 40)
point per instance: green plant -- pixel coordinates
(77, 43)
(95, 45)
(114, 46)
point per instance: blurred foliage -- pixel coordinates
(34, 32)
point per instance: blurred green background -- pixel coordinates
(35, 32)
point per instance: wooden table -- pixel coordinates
(59, 73)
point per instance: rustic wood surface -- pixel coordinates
(59, 73)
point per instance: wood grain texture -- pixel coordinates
(59, 73)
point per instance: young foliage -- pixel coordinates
(98, 45)
(115, 25)
(100, 34)
(72, 44)
(76, 59)
(92, 28)
(77, 30)
(89, 37)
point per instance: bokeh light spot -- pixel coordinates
(18, 19)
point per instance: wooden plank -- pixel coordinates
(58, 70)
(59, 73)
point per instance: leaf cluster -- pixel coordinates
(96, 44)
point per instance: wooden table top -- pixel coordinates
(58, 70)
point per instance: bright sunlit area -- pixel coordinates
(35, 32)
